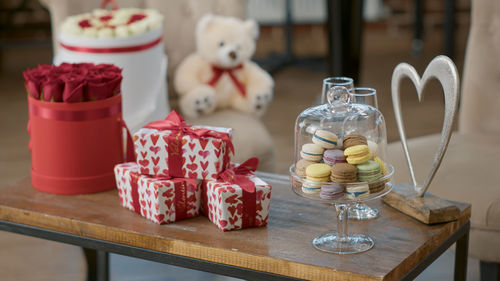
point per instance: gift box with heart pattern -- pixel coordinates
(159, 200)
(229, 207)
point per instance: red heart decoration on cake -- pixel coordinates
(257, 222)
(269, 195)
(204, 153)
(164, 172)
(231, 210)
(192, 166)
(148, 192)
(143, 162)
(217, 153)
(204, 165)
(259, 194)
(192, 158)
(144, 154)
(154, 138)
(155, 160)
(258, 206)
(149, 203)
(143, 203)
(204, 174)
(155, 149)
(232, 199)
(156, 193)
(240, 208)
(192, 175)
(143, 141)
(144, 171)
(223, 223)
(231, 189)
(203, 143)
(191, 145)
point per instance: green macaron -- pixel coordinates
(369, 171)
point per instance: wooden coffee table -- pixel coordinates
(403, 247)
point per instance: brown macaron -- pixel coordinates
(354, 139)
(344, 173)
(300, 167)
(376, 186)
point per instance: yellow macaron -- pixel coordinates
(383, 168)
(318, 172)
(357, 154)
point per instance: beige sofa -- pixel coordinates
(250, 138)
(469, 169)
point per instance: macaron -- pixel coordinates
(318, 172)
(325, 139)
(344, 173)
(357, 154)
(332, 156)
(383, 168)
(357, 191)
(300, 167)
(376, 186)
(373, 147)
(331, 190)
(369, 171)
(312, 152)
(354, 139)
(313, 189)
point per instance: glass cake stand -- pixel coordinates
(341, 241)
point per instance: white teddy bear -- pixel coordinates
(220, 74)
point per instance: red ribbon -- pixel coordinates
(219, 71)
(175, 123)
(239, 176)
(180, 193)
(128, 49)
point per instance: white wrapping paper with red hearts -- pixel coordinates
(202, 157)
(159, 200)
(224, 204)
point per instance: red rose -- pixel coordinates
(113, 80)
(52, 89)
(73, 87)
(33, 79)
(96, 89)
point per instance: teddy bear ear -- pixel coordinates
(204, 22)
(252, 26)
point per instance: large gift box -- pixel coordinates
(172, 148)
(157, 199)
(239, 199)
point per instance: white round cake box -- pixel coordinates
(144, 64)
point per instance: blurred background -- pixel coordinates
(294, 45)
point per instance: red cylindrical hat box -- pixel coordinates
(75, 146)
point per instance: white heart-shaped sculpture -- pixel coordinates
(444, 70)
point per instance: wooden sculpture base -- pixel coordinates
(429, 209)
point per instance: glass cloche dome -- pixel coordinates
(340, 150)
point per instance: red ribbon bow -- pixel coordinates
(218, 71)
(239, 176)
(175, 123)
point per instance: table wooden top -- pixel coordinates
(283, 247)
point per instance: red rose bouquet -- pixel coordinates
(73, 82)
(75, 127)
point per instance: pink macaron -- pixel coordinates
(332, 156)
(331, 190)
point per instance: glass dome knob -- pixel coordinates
(338, 96)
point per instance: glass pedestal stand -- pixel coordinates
(341, 241)
(362, 212)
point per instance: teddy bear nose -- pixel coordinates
(232, 55)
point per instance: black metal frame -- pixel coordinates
(96, 252)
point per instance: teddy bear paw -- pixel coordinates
(261, 101)
(198, 102)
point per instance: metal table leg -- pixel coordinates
(97, 264)
(461, 256)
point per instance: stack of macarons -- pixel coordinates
(329, 166)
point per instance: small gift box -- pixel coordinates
(238, 199)
(172, 148)
(157, 199)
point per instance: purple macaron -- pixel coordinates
(331, 190)
(333, 156)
